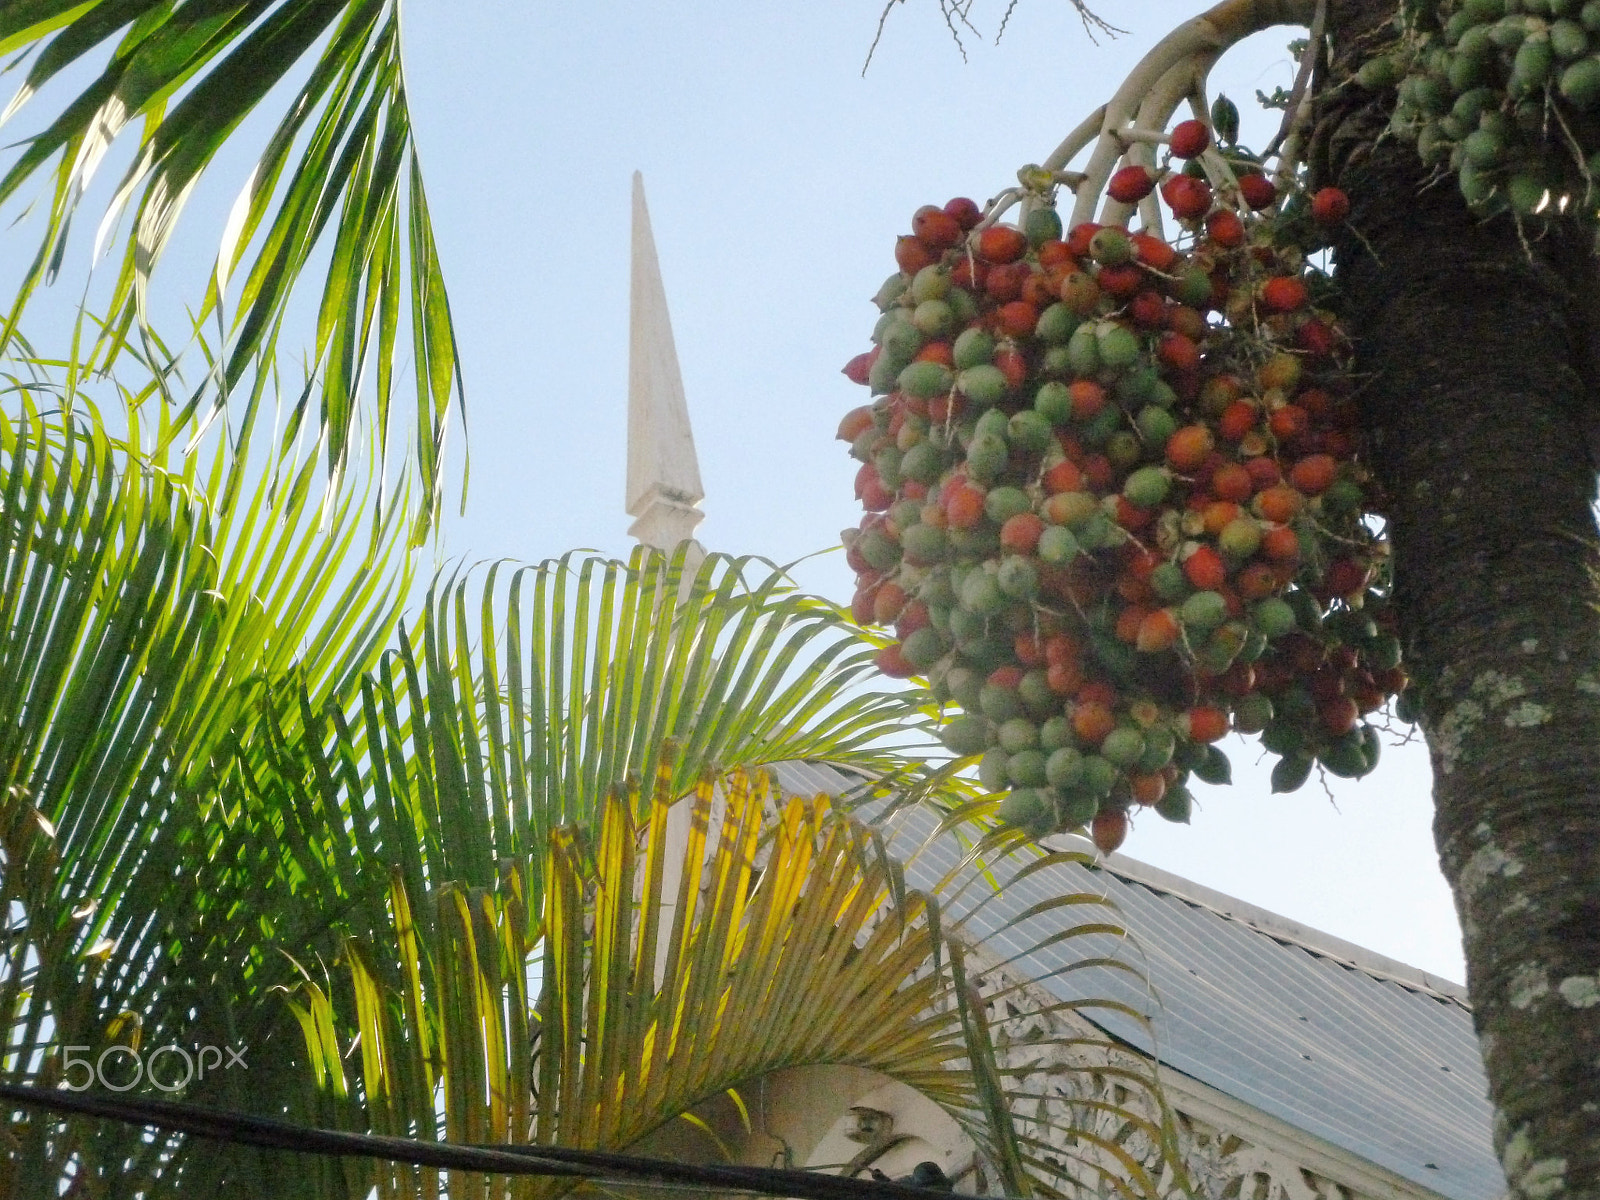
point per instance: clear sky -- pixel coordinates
(778, 177)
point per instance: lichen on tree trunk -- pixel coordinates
(1473, 344)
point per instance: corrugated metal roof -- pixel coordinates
(1364, 1053)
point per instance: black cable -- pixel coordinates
(269, 1134)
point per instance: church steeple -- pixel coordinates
(663, 491)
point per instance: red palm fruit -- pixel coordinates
(1278, 503)
(1152, 252)
(1088, 398)
(1039, 290)
(1121, 282)
(1080, 237)
(1238, 680)
(861, 606)
(1157, 631)
(1097, 691)
(913, 616)
(1148, 310)
(1133, 591)
(1091, 721)
(1258, 191)
(911, 255)
(1189, 138)
(1237, 420)
(1289, 422)
(1139, 562)
(1109, 829)
(1219, 514)
(1004, 281)
(1012, 365)
(1203, 723)
(939, 352)
(1147, 788)
(892, 662)
(1230, 481)
(1128, 623)
(1281, 544)
(1225, 229)
(856, 422)
(1064, 678)
(1313, 474)
(1178, 352)
(1187, 321)
(1056, 253)
(1330, 206)
(1131, 517)
(1187, 197)
(911, 489)
(965, 211)
(1263, 470)
(1131, 184)
(1369, 697)
(1006, 677)
(1063, 477)
(937, 229)
(1062, 648)
(1345, 577)
(1205, 569)
(969, 273)
(964, 507)
(870, 491)
(1256, 582)
(1392, 680)
(1098, 472)
(1001, 244)
(1016, 319)
(854, 560)
(1029, 649)
(1188, 448)
(1020, 533)
(1338, 716)
(1316, 338)
(859, 368)
(1284, 293)
(1316, 401)
(945, 408)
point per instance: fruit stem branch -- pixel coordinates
(1185, 55)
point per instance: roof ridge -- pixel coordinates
(1282, 929)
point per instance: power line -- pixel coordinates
(270, 1134)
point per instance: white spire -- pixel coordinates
(663, 474)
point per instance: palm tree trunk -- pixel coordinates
(1474, 341)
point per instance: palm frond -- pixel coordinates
(635, 1003)
(516, 707)
(151, 606)
(339, 173)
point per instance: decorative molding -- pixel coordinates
(1230, 1150)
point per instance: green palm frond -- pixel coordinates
(339, 173)
(151, 606)
(519, 705)
(639, 999)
